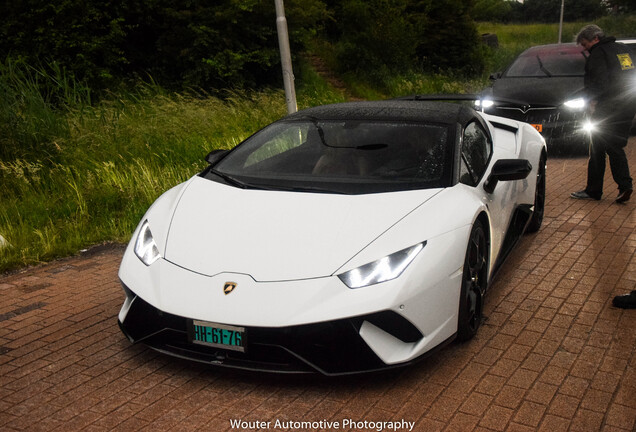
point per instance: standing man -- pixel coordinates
(610, 81)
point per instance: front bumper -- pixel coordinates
(331, 348)
(300, 325)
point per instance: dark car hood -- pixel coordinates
(537, 91)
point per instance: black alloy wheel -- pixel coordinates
(539, 199)
(474, 284)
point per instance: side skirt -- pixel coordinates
(520, 219)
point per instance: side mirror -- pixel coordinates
(506, 170)
(215, 155)
(495, 76)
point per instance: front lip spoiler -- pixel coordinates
(331, 348)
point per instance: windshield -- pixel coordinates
(547, 64)
(340, 157)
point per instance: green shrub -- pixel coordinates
(619, 25)
(447, 38)
(210, 45)
(373, 40)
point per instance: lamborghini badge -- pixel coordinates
(229, 287)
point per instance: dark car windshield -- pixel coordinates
(544, 63)
(340, 157)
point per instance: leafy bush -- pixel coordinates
(447, 36)
(373, 37)
(378, 38)
(221, 44)
(87, 38)
(546, 11)
(492, 10)
(550, 10)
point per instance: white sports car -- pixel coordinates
(342, 238)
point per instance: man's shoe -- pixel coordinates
(624, 196)
(583, 195)
(627, 301)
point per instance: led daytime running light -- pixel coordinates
(382, 270)
(145, 247)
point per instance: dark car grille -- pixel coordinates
(525, 114)
(332, 348)
(556, 123)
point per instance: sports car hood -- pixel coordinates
(538, 91)
(277, 236)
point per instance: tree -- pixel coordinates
(85, 37)
(372, 37)
(194, 43)
(491, 10)
(622, 6)
(447, 36)
(574, 10)
(377, 37)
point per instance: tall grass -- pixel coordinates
(75, 174)
(30, 122)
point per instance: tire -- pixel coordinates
(539, 199)
(474, 283)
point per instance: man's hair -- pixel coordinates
(589, 33)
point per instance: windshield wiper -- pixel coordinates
(543, 69)
(294, 188)
(229, 179)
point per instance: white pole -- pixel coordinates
(285, 57)
(561, 21)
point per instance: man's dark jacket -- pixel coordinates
(610, 79)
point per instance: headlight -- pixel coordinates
(145, 246)
(575, 104)
(485, 103)
(382, 270)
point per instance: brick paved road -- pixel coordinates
(552, 355)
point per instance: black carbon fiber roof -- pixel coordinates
(402, 110)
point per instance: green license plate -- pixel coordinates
(218, 335)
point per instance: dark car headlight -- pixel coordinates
(484, 103)
(577, 104)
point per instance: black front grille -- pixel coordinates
(556, 124)
(332, 347)
(531, 115)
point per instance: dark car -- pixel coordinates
(543, 86)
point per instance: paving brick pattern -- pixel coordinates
(552, 354)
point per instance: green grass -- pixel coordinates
(89, 172)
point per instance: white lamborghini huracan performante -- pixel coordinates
(344, 238)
